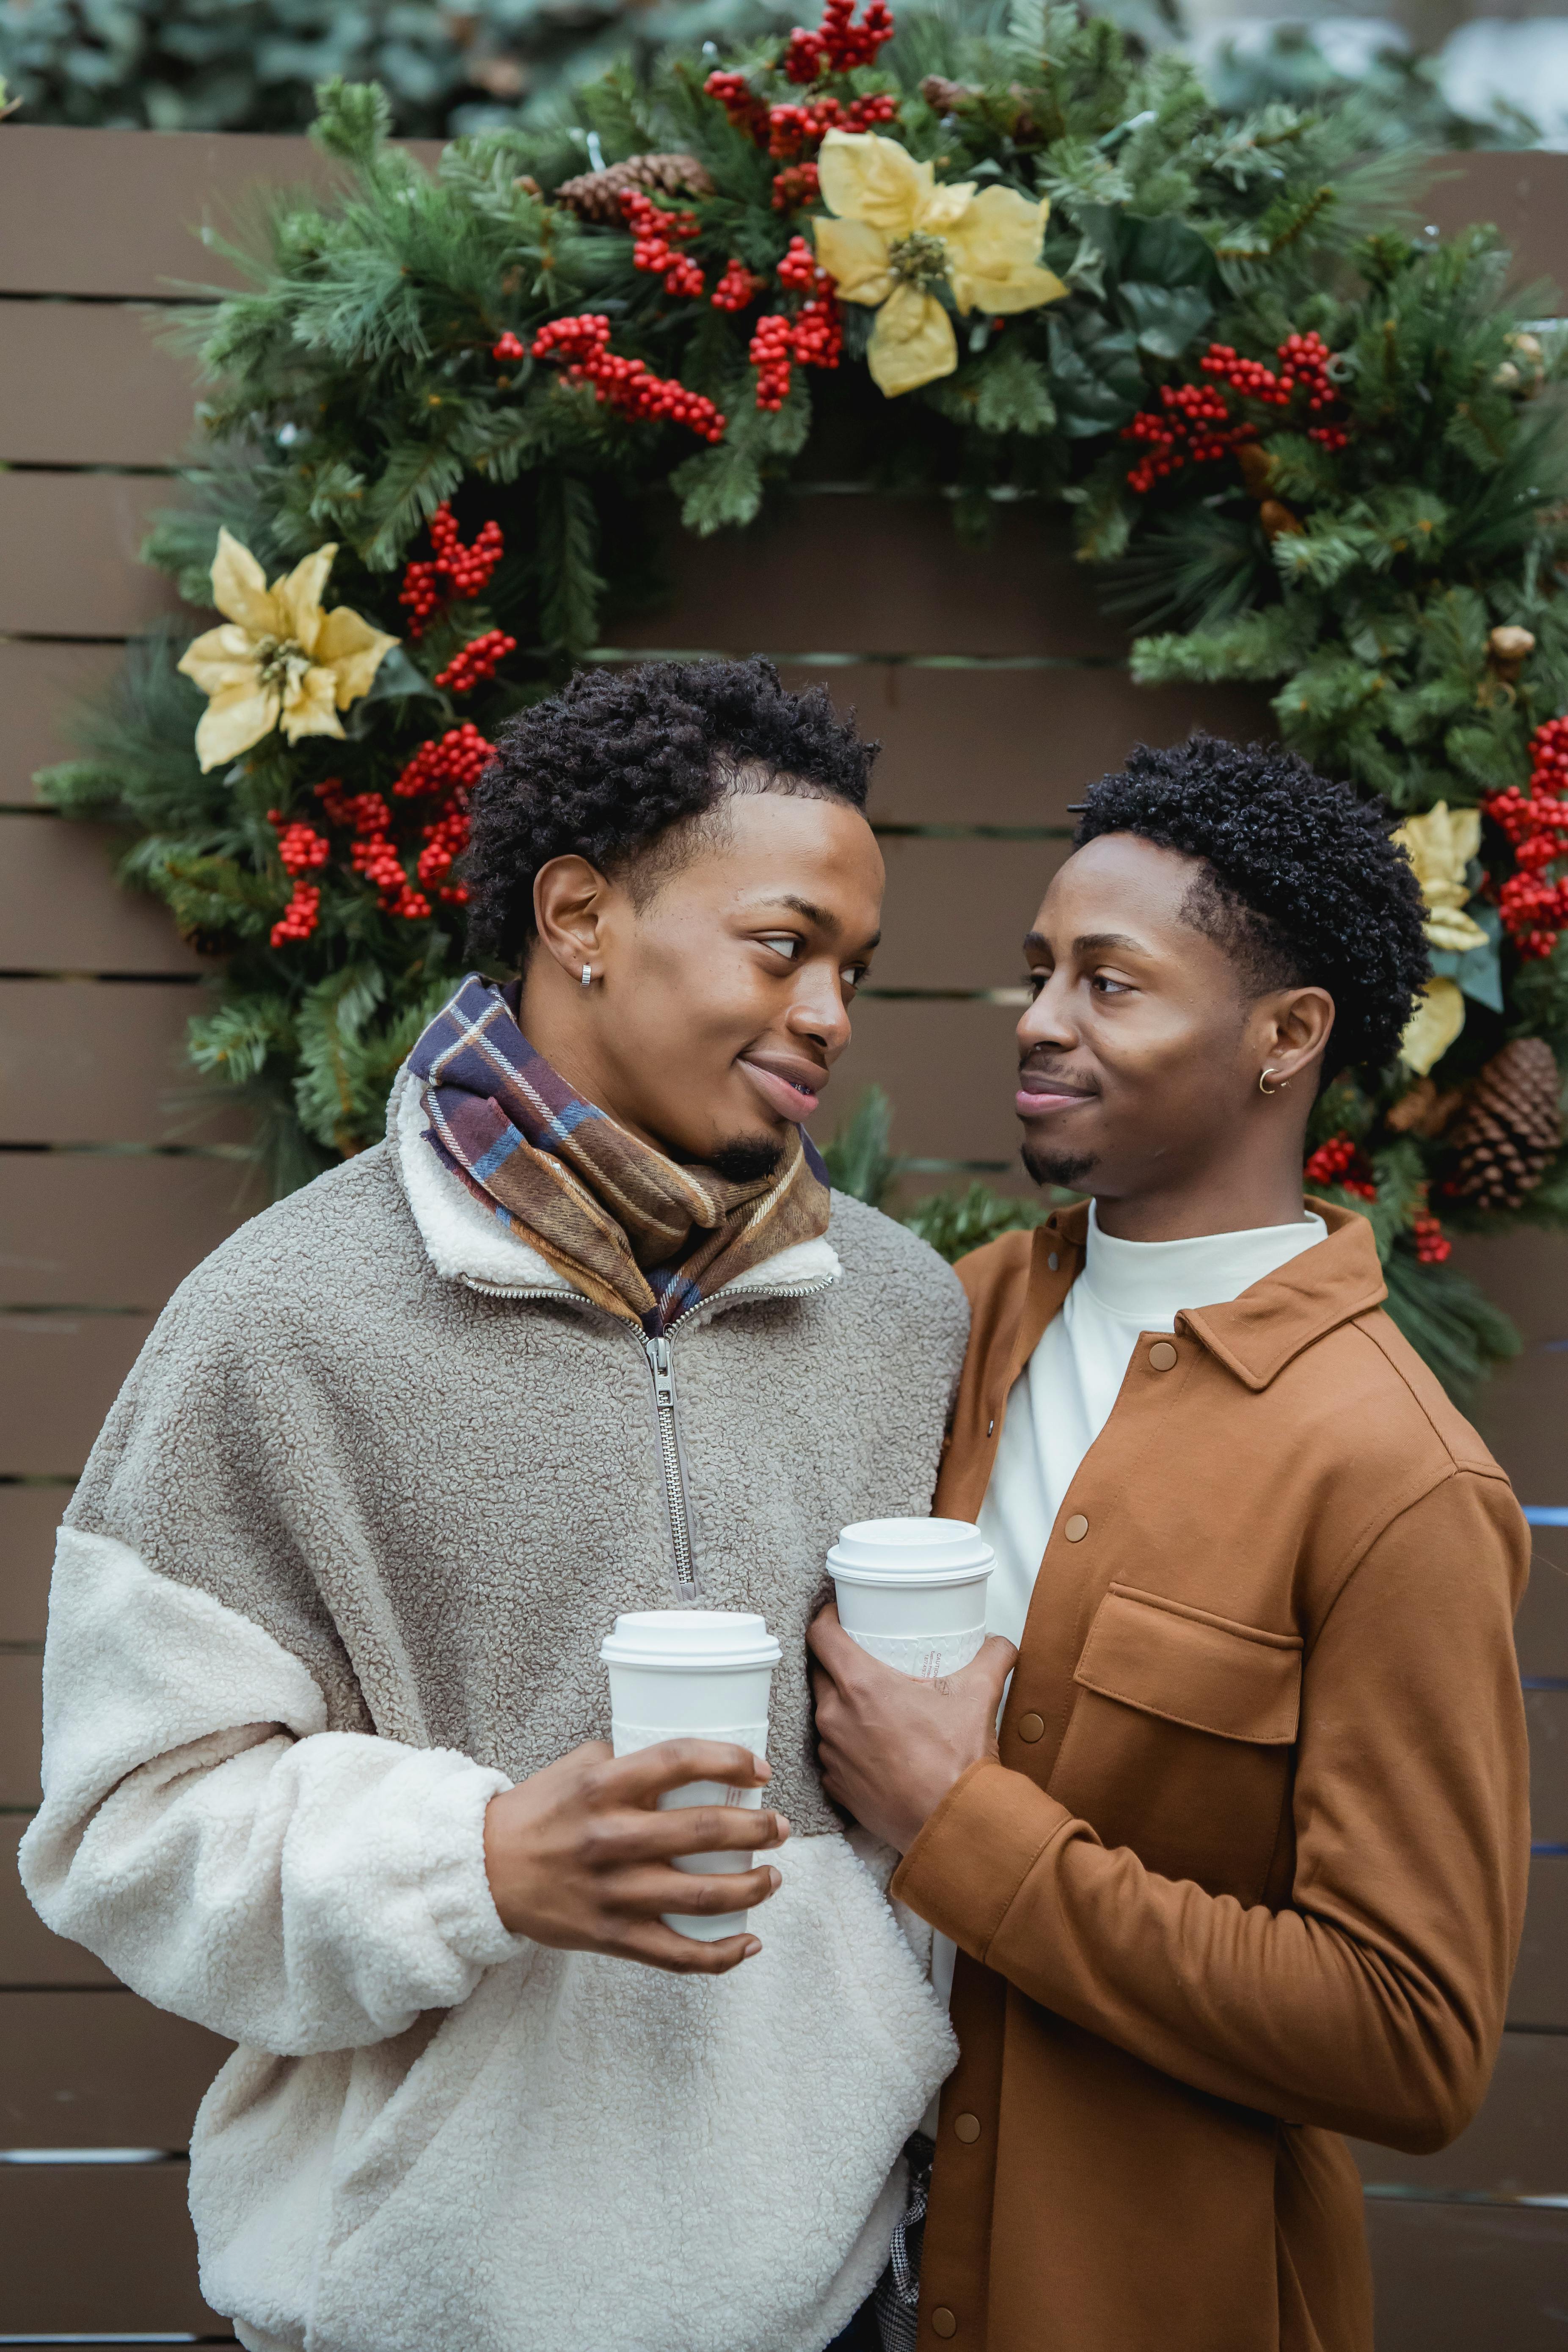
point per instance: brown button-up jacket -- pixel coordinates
(1250, 1871)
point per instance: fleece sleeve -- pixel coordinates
(291, 1888)
(1374, 2003)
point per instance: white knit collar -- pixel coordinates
(467, 1244)
(1150, 1283)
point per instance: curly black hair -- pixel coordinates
(611, 766)
(1302, 886)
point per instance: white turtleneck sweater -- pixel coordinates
(1063, 1397)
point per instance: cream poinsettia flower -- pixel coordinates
(898, 237)
(1440, 846)
(277, 660)
(1438, 1017)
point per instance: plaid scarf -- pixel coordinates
(637, 1232)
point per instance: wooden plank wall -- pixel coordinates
(996, 690)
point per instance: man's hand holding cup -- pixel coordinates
(580, 1858)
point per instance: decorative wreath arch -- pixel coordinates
(1299, 448)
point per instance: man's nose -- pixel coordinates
(1048, 1020)
(818, 1012)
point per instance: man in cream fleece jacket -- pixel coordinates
(324, 1761)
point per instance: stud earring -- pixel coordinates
(1268, 1073)
(587, 975)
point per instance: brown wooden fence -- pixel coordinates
(997, 689)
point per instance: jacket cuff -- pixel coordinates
(453, 1879)
(975, 1852)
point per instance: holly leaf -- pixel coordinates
(397, 676)
(1096, 380)
(1165, 318)
(1477, 970)
(1165, 252)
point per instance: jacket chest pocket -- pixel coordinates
(1182, 1740)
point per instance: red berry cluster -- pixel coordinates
(772, 353)
(1192, 426)
(444, 842)
(301, 848)
(625, 385)
(798, 270)
(866, 114)
(1341, 1161)
(480, 658)
(509, 348)
(372, 852)
(451, 762)
(379, 863)
(1433, 1246)
(838, 44)
(655, 234)
(362, 812)
(819, 331)
(746, 109)
(738, 287)
(1533, 904)
(453, 570)
(814, 337)
(1304, 368)
(796, 130)
(300, 916)
(797, 186)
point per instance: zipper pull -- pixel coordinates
(663, 1385)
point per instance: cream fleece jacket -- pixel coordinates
(337, 1573)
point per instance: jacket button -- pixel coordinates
(1162, 1355)
(966, 2129)
(1053, 1261)
(943, 2322)
(1030, 1727)
(1076, 1528)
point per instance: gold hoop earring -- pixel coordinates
(587, 975)
(1268, 1073)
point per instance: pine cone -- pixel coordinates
(1511, 1129)
(596, 195)
(946, 96)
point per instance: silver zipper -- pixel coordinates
(657, 1352)
(660, 1364)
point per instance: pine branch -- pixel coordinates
(568, 548)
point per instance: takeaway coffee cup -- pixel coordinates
(912, 1592)
(699, 1674)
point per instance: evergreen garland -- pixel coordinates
(1300, 447)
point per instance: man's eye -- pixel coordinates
(1036, 982)
(783, 943)
(853, 975)
(1108, 985)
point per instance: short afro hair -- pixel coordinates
(1304, 886)
(607, 767)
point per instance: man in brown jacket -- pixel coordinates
(1242, 1867)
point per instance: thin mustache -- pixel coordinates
(1062, 1080)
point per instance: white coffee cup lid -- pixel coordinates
(681, 1639)
(912, 1551)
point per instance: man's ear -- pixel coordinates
(569, 903)
(1294, 1031)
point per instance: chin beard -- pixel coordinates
(1068, 1169)
(750, 1160)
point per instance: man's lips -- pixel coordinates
(1039, 1095)
(790, 1088)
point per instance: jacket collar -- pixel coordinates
(1255, 1335)
(465, 1243)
